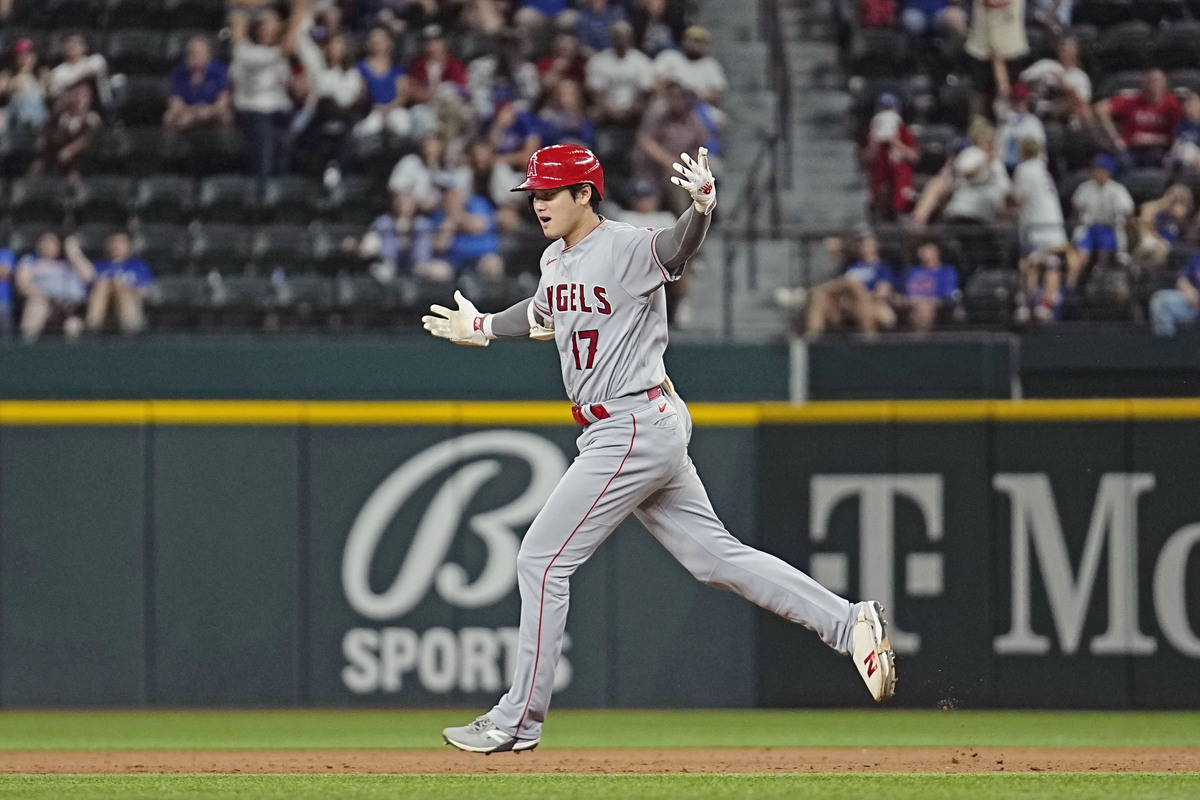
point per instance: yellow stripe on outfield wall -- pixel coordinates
(449, 412)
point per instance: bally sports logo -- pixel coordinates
(443, 660)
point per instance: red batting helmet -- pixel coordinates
(561, 165)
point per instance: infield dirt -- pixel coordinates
(607, 761)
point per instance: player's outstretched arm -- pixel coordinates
(679, 244)
(465, 325)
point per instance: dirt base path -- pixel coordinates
(609, 762)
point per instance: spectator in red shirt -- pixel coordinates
(1148, 118)
(564, 63)
(890, 153)
(435, 67)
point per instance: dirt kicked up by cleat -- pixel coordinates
(481, 736)
(872, 651)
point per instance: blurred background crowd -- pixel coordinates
(1026, 162)
(186, 164)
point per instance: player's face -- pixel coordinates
(558, 212)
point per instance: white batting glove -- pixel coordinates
(698, 180)
(464, 325)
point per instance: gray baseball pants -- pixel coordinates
(636, 461)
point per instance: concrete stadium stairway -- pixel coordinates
(825, 188)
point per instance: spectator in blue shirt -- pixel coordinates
(467, 237)
(563, 120)
(7, 262)
(514, 133)
(1170, 308)
(861, 295)
(1186, 149)
(53, 282)
(592, 24)
(199, 91)
(120, 286)
(928, 17)
(929, 286)
(390, 92)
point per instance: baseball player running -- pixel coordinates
(601, 299)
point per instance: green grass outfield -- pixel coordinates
(288, 729)
(140, 730)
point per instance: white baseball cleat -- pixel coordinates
(481, 736)
(872, 652)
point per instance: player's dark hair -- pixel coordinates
(593, 201)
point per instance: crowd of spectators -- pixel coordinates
(979, 125)
(449, 98)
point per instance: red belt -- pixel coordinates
(600, 412)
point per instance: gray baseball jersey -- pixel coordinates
(610, 318)
(606, 299)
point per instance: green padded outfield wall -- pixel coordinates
(261, 553)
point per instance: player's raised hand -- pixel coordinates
(697, 178)
(463, 325)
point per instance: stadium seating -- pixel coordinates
(105, 199)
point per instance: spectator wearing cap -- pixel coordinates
(22, 92)
(930, 287)
(120, 287)
(1017, 122)
(620, 80)
(76, 66)
(262, 80)
(594, 23)
(200, 95)
(53, 282)
(671, 126)
(929, 17)
(645, 207)
(890, 153)
(1148, 119)
(974, 184)
(1102, 208)
(694, 67)
(563, 119)
(658, 26)
(1063, 90)
(996, 39)
(1170, 308)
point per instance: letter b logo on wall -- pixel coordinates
(425, 566)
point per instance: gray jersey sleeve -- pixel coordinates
(676, 246)
(647, 258)
(513, 321)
